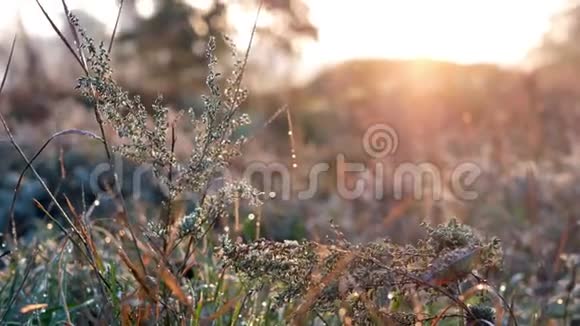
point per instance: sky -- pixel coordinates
(463, 31)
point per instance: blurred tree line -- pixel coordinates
(162, 52)
(171, 42)
(560, 43)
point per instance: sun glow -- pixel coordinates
(464, 31)
(34, 22)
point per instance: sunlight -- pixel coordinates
(203, 5)
(145, 8)
(464, 31)
(34, 22)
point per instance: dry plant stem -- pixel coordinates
(88, 254)
(192, 243)
(225, 308)
(21, 152)
(90, 244)
(75, 35)
(29, 165)
(508, 306)
(229, 116)
(240, 77)
(442, 313)
(312, 294)
(242, 304)
(258, 222)
(266, 124)
(38, 177)
(168, 217)
(61, 36)
(188, 254)
(369, 305)
(236, 227)
(80, 58)
(62, 176)
(125, 215)
(114, 33)
(238, 82)
(12, 221)
(321, 318)
(291, 135)
(418, 280)
(488, 288)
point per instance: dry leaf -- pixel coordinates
(32, 307)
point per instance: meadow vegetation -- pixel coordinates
(197, 257)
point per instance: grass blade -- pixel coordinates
(63, 38)
(29, 164)
(15, 294)
(6, 70)
(115, 28)
(74, 33)
(173, 284)
(8, 64)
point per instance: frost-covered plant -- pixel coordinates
(367, 284)
(147, 137)
(382, 267)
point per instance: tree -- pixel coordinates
(171, 42)
(560, 44)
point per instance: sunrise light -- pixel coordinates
(463, 31)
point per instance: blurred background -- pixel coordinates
(490, 82)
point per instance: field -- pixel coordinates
(380, 192)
